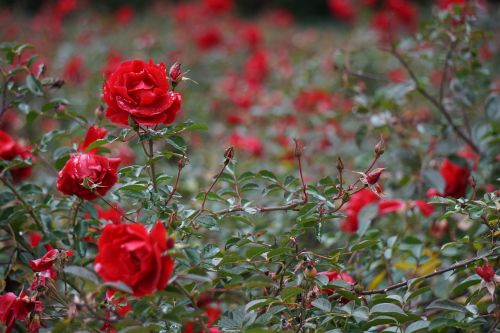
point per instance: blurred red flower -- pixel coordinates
(9, 150)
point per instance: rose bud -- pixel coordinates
(380, 147)
(373, 177)
(310, 272)
(486, 272)
(175, 72)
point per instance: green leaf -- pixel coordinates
(364, 244)
(417, 326)
(322, 304)
(290, 292)
(34, 85)
(447, 305)
(81, 272)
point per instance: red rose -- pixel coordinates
(456, 179)
(128, 253)
(362, 199)
(9, 150)
(88, 176)
(140, 90)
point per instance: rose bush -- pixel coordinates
(336, 178)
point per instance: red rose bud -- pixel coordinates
(486, 272)
(373, 177)
(175, 72)
(229, 153)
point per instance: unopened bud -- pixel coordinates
(175, 73)
(182, 162)
(299, 148)
(340, 164)
(380, 147)
(373, 177)
(99, 112)
(229, 153)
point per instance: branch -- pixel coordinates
(427, 276)
(180, 165)
(25, 205)
(440, 107)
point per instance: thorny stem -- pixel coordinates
(74, 215)
(25, 205)
(458, 265)
(439, 106)
(152, 165)
(180, 166)
(114, 207)
(192, 300)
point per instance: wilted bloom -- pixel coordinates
(140, 90)
(134, 256)
(14, 308)
(49, 259)
(486, 272)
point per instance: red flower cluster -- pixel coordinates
(140, 90)
(128, 253)
(9, 150)
(88, 175)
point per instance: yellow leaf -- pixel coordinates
(376, 280)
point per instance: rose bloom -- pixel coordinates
(363, 198)
(456, 179)
(129, 254)
(9, 150)
(84, 171)
(140, 90)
